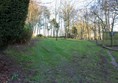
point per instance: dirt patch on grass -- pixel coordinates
(113, 60)
(103, 66)
(10, 70)
(23, 47)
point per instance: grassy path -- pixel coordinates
(113, 61)
(66, 61)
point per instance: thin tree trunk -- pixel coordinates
(56, 34)
(112, 31)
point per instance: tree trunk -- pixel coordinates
(56, 34)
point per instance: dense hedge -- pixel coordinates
(12, 18)
(26, 34)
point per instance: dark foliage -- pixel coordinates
(12, 19)
(26, 34)
(39, 35)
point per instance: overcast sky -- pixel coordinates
(78, 3)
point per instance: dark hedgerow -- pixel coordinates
(26, 34)
(13, 14)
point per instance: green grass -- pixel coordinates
(115, 55)
(66, 61)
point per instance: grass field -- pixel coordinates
(115, 55)
(65, 61)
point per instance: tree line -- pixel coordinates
(91, 21)
(23, 18)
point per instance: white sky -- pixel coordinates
(51, 3)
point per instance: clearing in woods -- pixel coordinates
(62, 61)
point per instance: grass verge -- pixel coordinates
(65, 61)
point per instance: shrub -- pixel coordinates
(25, 35)
(13, 14)
(39, 35)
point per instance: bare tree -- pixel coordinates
(106, 15)
(34, 12)
(68, 13)
(33, 16)
(56, 26)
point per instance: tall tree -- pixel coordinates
(34, 12)
(68, 13)
(43, 19)
(56, 26)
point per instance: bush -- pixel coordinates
(39, 35)
(13, 14)
(61, 37)
(25, 35)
